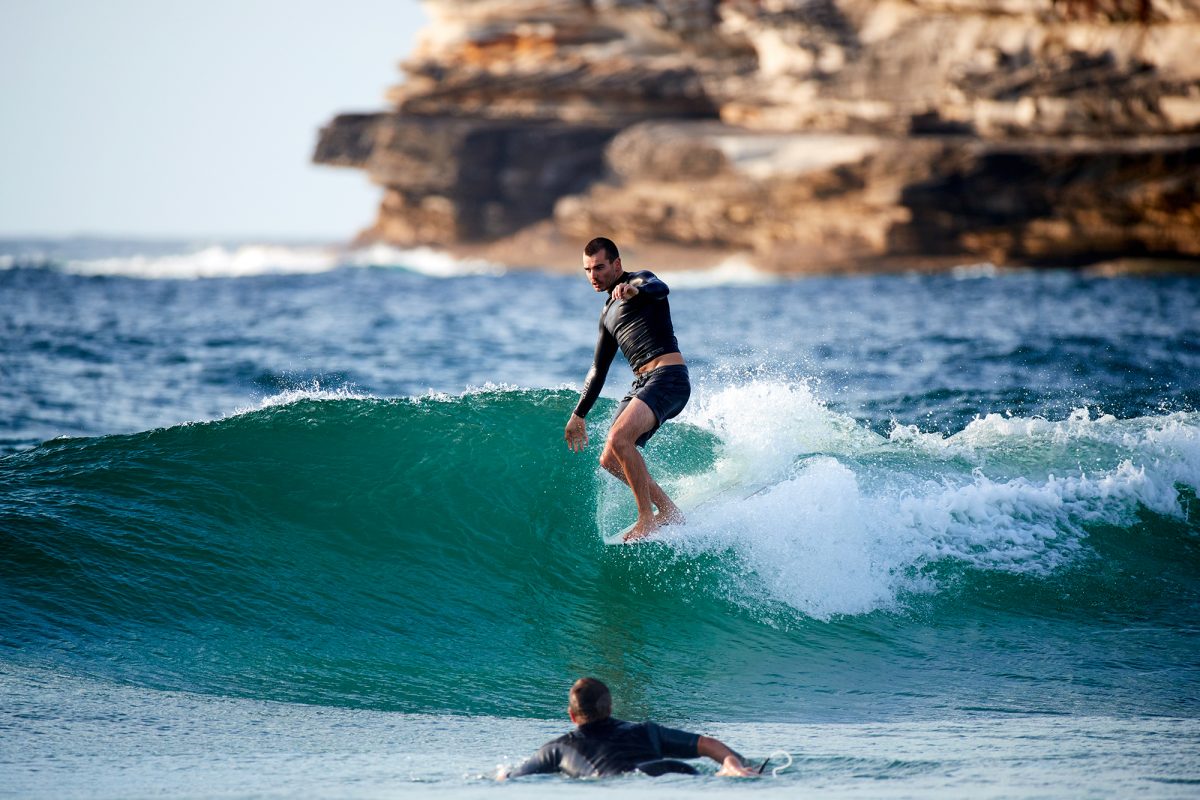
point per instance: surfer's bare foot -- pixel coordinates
(641, 530)
(671, 516)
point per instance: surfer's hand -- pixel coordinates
(732, 767)
(718, 751)
(576, 433)
(625, 291)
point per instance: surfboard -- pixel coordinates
(619, 536)
(690, 505)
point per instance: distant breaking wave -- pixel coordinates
(163, 261)
(733, 271)
(247, 260)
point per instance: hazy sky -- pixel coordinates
(172, 118)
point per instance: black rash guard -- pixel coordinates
(609, 747)
(640, 326)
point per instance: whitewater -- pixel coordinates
(298, 520)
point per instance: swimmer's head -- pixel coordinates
(590, 701)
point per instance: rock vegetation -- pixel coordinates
(802, 135)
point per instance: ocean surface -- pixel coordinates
(290, 520)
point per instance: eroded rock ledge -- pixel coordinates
(801, 134)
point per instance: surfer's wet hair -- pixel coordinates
(600, 243)
(590, 700)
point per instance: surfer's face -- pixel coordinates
(601, 272)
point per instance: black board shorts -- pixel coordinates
(666, 390)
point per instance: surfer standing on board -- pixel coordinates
(637, 319)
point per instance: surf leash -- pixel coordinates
(775, 770)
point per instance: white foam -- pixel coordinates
(1170, 442)
(488, 388)
(733, 271)
(759, 418)
(216, 261)
(311, 391)
(247, 260)
(831, 519)
(424, 260)
(967, 272)
(805, 542)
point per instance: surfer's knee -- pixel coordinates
(621, 444)
(609, 460)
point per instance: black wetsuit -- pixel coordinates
(641, 327)
(612, 746)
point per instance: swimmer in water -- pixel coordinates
(637, 319)
(601, 745)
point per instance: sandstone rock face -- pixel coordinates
(452, 179)
(804, 134)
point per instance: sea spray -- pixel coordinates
(871, 520)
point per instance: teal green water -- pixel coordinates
(260, 537)
(444, 555)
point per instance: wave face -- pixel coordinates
(444, 554)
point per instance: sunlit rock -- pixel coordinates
(802, 134)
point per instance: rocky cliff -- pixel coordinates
(800, 134)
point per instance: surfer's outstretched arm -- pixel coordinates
(547, 759)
